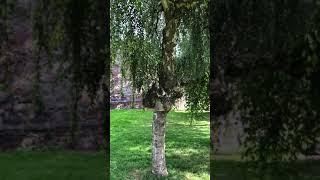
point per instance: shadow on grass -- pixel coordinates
(185, 162)
(192, 166)
(185, 116)
(227, 169)
(187, 147)
(52, 165)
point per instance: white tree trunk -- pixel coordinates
(158, 144)
(167, 84)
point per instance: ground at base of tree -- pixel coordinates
(187, 146)
(231, 167)
(52, 165)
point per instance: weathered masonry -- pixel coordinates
(35, 112)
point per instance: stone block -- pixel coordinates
(4, 97)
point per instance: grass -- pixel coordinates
(187, 147)
(231, 167)
(187, 153)
(60, 165)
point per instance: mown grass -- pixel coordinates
(187, 147)
(52, 165)
(231, 167)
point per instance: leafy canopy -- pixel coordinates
(136, 36)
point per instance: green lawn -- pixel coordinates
(187, 147)
(231, 167)
(187, 155)
(59, 165)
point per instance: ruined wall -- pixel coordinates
(121, 96)
(25, 122)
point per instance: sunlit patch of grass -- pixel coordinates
(187, 147)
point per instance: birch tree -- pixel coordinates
(151, 34)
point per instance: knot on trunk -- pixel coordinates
(162, 98)
(149, 98)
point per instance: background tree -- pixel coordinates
(155, 39)
(266, 60)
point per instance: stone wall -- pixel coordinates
(25, 122)
(121, 96)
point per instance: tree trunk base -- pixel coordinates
(158, 144)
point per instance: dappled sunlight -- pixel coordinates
(201, 176)
(187, 147)
(140, 149)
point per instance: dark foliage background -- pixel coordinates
(265, 59)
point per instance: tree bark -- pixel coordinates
(158, 143)
(166, 92)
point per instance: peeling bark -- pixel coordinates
(166, 94)
(167, 79)
(158, 143)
